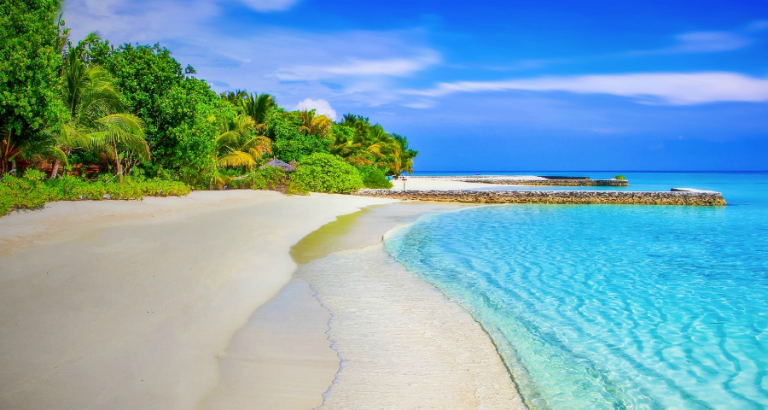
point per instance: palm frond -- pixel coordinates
(236, 159)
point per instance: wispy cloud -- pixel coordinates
(397, 67)
(648, 88)
(361, 66)
(269, 5)
(707, 42)
(711, 41)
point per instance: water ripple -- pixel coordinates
(610, 307)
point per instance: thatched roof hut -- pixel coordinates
(276, 163)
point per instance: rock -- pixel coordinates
(706, 198)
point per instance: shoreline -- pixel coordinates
(357, 282)
(128, 304)
(402, 342)
(200, 302)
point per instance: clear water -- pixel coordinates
(615, 307)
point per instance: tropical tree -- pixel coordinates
(96, 117)
(363, 144)
(29, 64)
(234, 97)
(319, 125)
(259, 107)
(236, 146)
(146, 75)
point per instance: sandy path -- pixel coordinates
(126, 305)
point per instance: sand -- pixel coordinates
(447, 183)
(127, 305)
(281, 358)
(403, 344)
(190, 303)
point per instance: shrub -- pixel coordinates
(326, 173)
(620, 177)
(33, 190)
(374, 178)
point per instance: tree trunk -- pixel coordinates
(119, 166)
(55, 169)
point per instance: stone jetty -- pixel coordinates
(554, 197)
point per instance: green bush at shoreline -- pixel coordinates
(33, 190)
(374, 178)
(327, 173)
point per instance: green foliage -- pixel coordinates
(361, 143)
(374, 178)
(145, 74)
(264, 178)
(290, 143)
(133, 108)
(322, 172)
(33, 190)
(96, 116)
(29, 62)
(149, 78)
(189, 110)
(620, 177)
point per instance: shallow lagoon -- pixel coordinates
(611, 306)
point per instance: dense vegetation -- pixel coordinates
(34, 189)
(80, 111)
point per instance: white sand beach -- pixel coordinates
(127, 305)
(446, 183)
(188, 303)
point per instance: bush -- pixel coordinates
(620, 177)
(374, 178)
(33, 190)
(326, 173)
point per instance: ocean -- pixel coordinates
(614, 306)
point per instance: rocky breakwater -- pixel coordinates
(549, 182)
(554, 197)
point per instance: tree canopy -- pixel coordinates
(30, 61)
(133, 109)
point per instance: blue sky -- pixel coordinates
(494, 85)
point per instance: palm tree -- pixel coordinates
(258, 106)
(237, 147)
(371, 145)
(97, 119)
(315, 125)
(234, 97)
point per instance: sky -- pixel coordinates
(489, 85)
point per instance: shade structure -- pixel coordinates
(276, 163)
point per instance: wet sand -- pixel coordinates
(401, 344)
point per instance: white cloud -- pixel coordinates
(269, 5)
(361, 67)
(321, 107)
(397, 67)
(420, 104)
(649, 88)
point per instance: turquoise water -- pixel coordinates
(615, 307)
